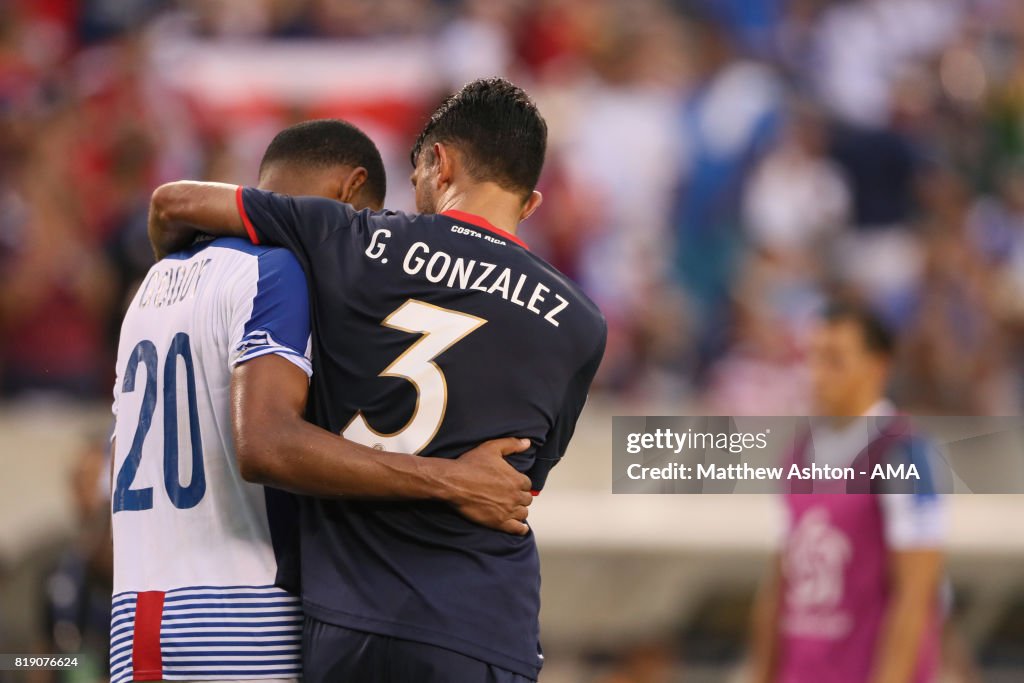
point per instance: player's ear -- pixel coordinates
(351, 184)
(445, 164)
(535, 200)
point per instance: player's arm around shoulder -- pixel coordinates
(276, 446)
(181, 210)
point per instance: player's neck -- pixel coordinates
(856, 407)
(499, 207)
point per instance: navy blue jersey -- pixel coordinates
(431, 334)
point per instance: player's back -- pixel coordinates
(194, 563)
(450, 333)
(432, 333)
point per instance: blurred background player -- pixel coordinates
(854, 594)
(201, 555)
(483, 338)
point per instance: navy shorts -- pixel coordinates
(335, 654)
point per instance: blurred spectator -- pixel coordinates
(763, 372)
(797, 197)
(78, 587)
(863, 46)
(62, 586)
(56, 287)
(730, 118)
(953, 313)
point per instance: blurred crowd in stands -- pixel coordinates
(717, 168)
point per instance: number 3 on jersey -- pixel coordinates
(441, 329)
(182, 497)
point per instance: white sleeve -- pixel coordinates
(914, 521)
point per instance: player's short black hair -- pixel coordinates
(329, 142)
(878, 336)
(498, 130)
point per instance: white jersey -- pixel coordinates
(194, 554)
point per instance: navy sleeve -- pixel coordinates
(548, 455)
(300, 224)
(271, 312)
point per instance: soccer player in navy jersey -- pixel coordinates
(431, 332)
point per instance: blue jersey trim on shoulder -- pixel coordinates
(188, 253)
(242, 245)
(234, 243)
(281, 305)
(918, 451)
(921, 452)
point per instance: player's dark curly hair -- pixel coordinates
(878, 337)
(329, 142)
(498, 130)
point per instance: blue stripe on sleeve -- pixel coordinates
(280, 308)
(920, 453)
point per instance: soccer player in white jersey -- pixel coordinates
(203, 553)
